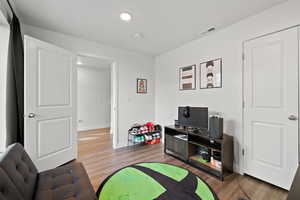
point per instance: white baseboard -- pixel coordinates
(121, 145)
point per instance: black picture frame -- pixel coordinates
(220, 73)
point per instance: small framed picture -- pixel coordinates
(211, 74)
(141, 87)
(187, 78)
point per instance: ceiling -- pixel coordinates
(165, 24)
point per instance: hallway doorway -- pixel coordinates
(96, 98)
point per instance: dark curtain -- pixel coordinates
(15, 83)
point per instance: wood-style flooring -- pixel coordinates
(100, 160)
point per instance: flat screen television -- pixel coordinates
(196, 117)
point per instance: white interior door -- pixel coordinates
(50, 107)
(271, 107)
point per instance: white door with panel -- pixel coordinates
(271, 107)
(50, 104)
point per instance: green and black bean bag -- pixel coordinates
(154, 181)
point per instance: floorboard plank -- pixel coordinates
(100, 160)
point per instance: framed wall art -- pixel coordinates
(211, 74)
(187, 78)
(141, 86)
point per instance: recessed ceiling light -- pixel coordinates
(138, 35)
(79, 61)
(125, 17)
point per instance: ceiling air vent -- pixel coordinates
(211, 29)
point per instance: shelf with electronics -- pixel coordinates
(145, 134)
(203, 147)
(214, 156)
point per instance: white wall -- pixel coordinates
(132, 107)
(227, 44)
(94, 98)
(5, 10)
(5, 17)
(4, 39)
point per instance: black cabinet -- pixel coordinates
(177, 147)
(186, 145)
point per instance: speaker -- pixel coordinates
(186, 112)
(216, 127)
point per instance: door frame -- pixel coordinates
(242, 149)
(114, 71)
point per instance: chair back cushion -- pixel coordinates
(16, 163)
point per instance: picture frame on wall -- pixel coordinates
(187, 78)
(141, 87)
(211, 74)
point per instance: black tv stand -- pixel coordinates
(183, 143)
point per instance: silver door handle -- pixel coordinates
(31, 115)
(293, 118)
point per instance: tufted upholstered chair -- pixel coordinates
(20, 180)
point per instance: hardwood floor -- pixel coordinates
(100, 160)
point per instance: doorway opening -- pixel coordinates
(96, 102)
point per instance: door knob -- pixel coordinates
(293, 117)
(31, 115)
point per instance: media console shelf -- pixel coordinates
(185, 145)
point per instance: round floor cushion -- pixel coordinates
(154, 181)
